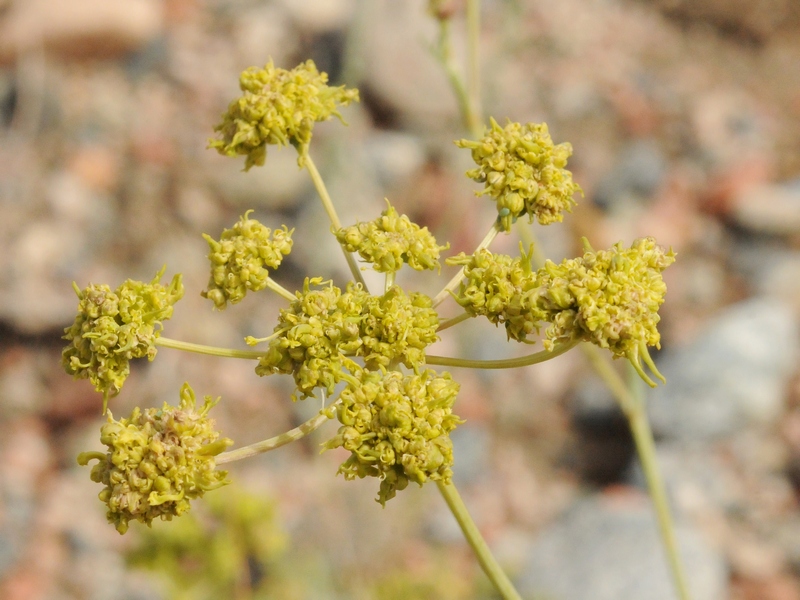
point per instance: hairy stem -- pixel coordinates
(274, 442)
(453, 283)
(327, 203)
(633, 407)
(488, 562)
(209, 350)
(506, 363)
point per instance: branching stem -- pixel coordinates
(274, 442)
(454, 321)
(327, 203)
(453, 283)
(633, 407)
(488, 562)
(507, 363)
(209, 350)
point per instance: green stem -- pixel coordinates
(389, 281)
(454, 321)
(453, 283)
(209, 350)
(506, 363)
(280, 290)
(327, 203)
(488, 562)
(274, 442)
(634, 409)
(474, 67)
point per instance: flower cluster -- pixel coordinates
(500, 288)
(396, 427)
(523, 172)
(157, 460)
(314, 333)
(608, 297)
(324, 325)
(278, 107)
(111, 328)
(239, 260)
(391, 240)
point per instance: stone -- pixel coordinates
(608, 548)
(320, 16)
(772, 209)
(732, 375)
(406, 80)
(638, 173)
(81, 28)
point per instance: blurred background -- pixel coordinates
(685, 121)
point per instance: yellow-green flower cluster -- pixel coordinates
(157, 460)
(523, 172)
(111, 328)
(608, 297)
(314, 333)
(391, 240)
(278, 107)
(501, 289)
(324, 325)
(239, 260)
(397, 427)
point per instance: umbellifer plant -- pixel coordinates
(365, 352)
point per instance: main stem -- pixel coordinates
(634, 409)
(487, 561)
(327, 203)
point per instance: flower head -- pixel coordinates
(523, 172)
(278, 107)
(397, 427)
(608, 297)
(157, 460)
(239, 260)
(499, 288)
(390, 241)
(324, 325)
(111, 328)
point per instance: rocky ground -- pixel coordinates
(685, 120)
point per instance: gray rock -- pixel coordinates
(84, 28)
(635, 177)
(472, 451)
(733, 374)
(609, 549)
(768, 208)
